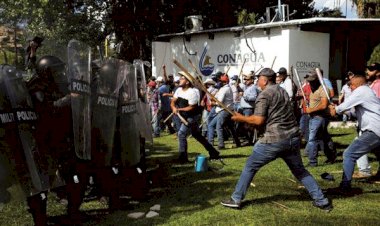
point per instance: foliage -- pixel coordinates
(325, 12)
(375, 56)
(134, 22)
(368, 8)
(7, 57)
(244, 18)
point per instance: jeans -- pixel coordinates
(317, 133)
(365, 143)
(195, 132)
(248, 133)
(236, 106)
(362, 162)
(156, 124)
(176, 122)
(289, 151)
(217, 124)
(304, 126)
(205, 115)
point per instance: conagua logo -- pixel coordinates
(205, 66)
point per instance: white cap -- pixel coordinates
(176, 78)
(159, 79)
(209, 81)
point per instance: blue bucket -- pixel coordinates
(201, 164)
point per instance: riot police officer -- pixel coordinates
(29, 162)
(51, 96)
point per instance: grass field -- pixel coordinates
(190, 198)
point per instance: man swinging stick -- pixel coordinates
(185, 103)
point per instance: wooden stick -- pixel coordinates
(292, 180)
(339, 171)
(280, 205)
(201, 86)
(261, 66)
(167, 118)
(228, 69)
(195, 70)
(165, 77)
(320, 78)
(242, 66)
(273, 62)
(183, 120)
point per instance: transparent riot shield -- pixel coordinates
(104, 111)
(144, 117)
(129, 121)
(79, 72)
(31, 163)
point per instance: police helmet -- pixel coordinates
(49, 64)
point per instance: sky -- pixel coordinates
(346, 7)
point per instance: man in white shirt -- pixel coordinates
(185, 103)
(225, 96)
(285, 81)
(367, 109)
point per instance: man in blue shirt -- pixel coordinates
(164, 111)
(247, 102)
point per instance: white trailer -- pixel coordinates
(326, 43)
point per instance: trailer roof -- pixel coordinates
(319, 24)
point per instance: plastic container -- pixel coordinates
(201, 164)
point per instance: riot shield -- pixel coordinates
(128, 120)
(104, 111)
(79, 72)
(143, 115)
(31, 163)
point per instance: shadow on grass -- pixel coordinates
(175, 186)
(339, 134)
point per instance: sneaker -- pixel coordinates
(361, 175)
(327, 207)
(231, 203)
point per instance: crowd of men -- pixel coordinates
(223, 105)
(64, 138)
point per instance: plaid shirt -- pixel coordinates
(274, 104)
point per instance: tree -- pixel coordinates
(368, 8)
(135, 22)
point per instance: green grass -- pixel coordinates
(190, 198)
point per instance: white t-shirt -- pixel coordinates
(288, 86)
(225, 96)
(191, 95)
